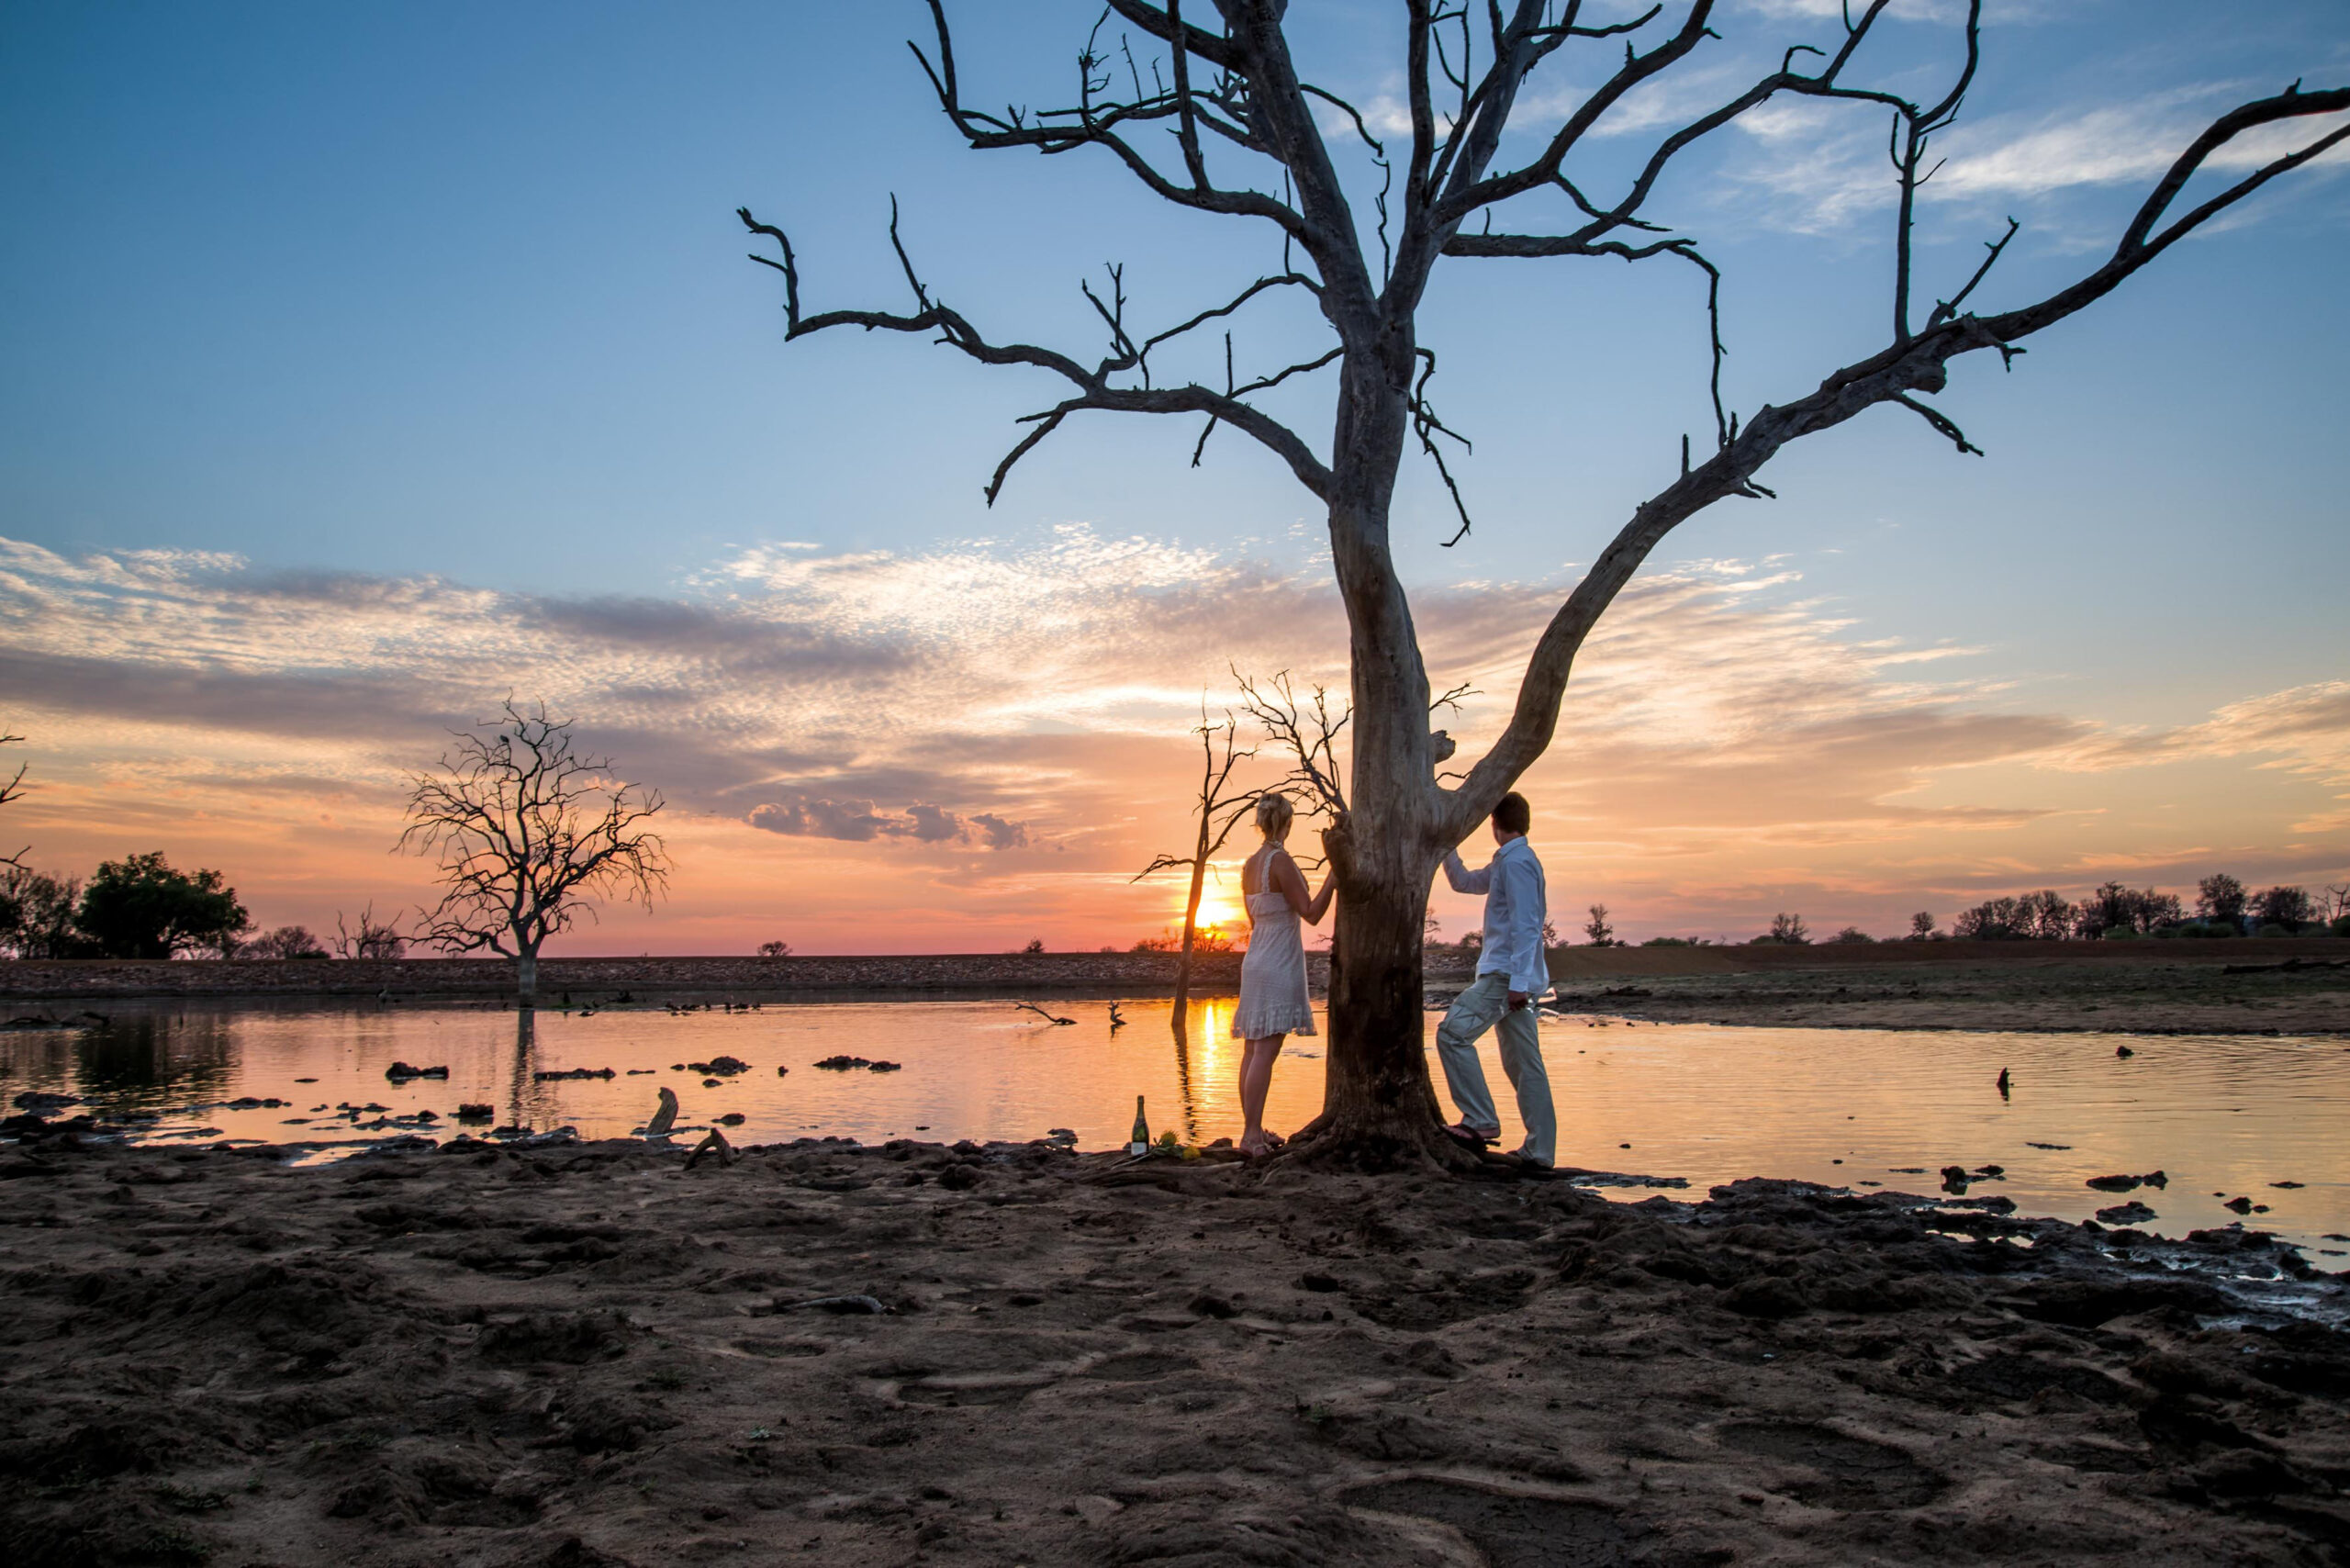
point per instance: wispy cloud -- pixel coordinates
(996, 730)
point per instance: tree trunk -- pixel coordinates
(526, 978)
(1379, 1108)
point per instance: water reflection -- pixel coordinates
(1210, 1019)
(2224, 1116)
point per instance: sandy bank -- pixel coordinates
(584, 1356)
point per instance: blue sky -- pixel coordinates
(455, 293)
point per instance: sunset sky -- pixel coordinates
(363, 366)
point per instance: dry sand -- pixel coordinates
(569, 1356)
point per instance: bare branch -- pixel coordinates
(14, 790)
(1891, 376)
(1307, 731)
(1096, 389)
(529, 832)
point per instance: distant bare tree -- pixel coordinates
(1597, 929)
(374, 939)
(1223, 120)
(775, 949)
(1220, 806)
(13, 790)
(2337, 900)
(529, 833)
(1921, 927)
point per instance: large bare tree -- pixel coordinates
(529, 833)
(1223, 121)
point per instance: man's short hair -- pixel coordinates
(1513, 814)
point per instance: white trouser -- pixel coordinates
(1481, 1007)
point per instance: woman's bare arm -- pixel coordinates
(1291, 882)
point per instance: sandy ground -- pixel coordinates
(571, 1355)
(2265, 995)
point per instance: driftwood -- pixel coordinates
(1040, 1012)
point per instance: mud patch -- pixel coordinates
(1513, 1533)
(1851, 1474)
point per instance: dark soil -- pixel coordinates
(587, 1355)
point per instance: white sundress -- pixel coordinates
(1273, 999)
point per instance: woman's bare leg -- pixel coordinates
(1257, 1058)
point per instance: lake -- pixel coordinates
(2224, 1116)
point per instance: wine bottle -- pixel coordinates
(1140, 1142)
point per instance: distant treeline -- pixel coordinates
(2115, 912)
(141, 908)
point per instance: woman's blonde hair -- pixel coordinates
(1273, 814)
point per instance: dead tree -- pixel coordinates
(1222, 121)
(1308, 733)
(14, 790)
(1221, 807)
(528, 834)
(374, 939)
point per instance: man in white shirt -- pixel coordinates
(1513, 973)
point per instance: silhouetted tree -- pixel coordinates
(12, 791)
(1219, 808)
(1474, 87)
(529, 833)
(1921, 927)
(374, 939)
(1597, 930)
(285, 942)
(2040, 916)
(141, 908)
(2219, 897)
(36, 914)
(1851, 936)
(775, 949)
(1790, 929)
(2289, 907)
(2114, 907)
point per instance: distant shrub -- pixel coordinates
(2120, 933)
(2341, 927)
(1674, 942)
(1787, 929)
(286, 942)
(2291, 908)
(2207, 928)
(2273, 929)
(775, 949)
(2113, 904)
(2219, 897)
(1035, 945)
(2040, 916)
(1851, 934)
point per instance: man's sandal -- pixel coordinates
(1472, 1138)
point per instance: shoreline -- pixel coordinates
(599, 1355)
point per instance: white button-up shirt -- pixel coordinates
(1515, 907)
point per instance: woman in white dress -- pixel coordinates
(1274, 1000)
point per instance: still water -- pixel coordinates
(2222, 1116)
